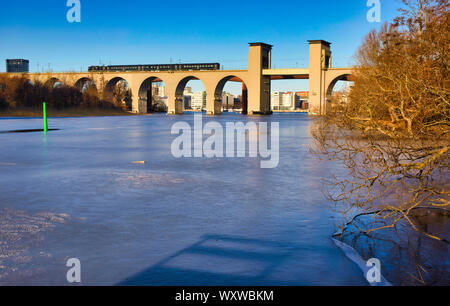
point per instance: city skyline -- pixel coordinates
(287, 101)
(112, 33)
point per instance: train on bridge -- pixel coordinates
(165, 67)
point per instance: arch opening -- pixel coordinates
(118, 92)
(289, 94)
(30, 81)
(87, 86)
(338, 89)
(153, 93)
(53, 83)
(231, 94)
(190, 95)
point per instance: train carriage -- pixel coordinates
(164, 67)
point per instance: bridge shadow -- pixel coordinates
(220, 260)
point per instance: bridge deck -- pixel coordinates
(279, 74)
(296, 73)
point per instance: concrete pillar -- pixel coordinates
(175, 104)
(259, 58)
(137, 105)
(319, 61)
(150, 98)
(171, 104)
(213, 99)
(175, 107)
(244, 99)
(213, 104)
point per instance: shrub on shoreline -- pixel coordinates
(19, 93)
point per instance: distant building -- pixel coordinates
(187, 97)
(198, 100)
(303, 94)
(304, 99)
(187, 101)
(284, 101)
(159, 89)
(237, 102)
(187, 90)
(17, 66)
(227, 100)
(275, 100)
(289, 101)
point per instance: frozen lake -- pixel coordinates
(75, 193)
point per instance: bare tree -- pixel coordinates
(121, 94)
(392, 134)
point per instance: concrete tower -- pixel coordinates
(259, 58)
(319, 61)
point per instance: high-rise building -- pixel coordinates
(275, 100)
(285, 101)
(159, 89)
(17, 66)
(188, 97)
(304, 98)
(288, 101)
(227, 101)
(198, 101)
(187, 101)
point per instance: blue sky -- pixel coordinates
(153, 32)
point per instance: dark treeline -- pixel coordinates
(20, 93)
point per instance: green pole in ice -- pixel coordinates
(45, 117)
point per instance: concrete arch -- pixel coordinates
(219, 91)
(85, 84)
(52, 82)
(342, 77)
(145, 92)
(30, 81)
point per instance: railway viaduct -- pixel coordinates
(256, 81)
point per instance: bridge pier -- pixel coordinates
(244, 99)
(319, 62)
(149, 98)
(259, 86)
(138, 105)
(213, 104)
(175, 104)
